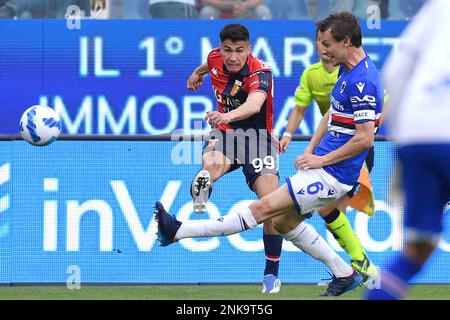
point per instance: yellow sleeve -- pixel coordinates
(303, 95)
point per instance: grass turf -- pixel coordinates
(199, 292)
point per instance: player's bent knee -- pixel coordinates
(260, 210)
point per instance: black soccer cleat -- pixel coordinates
(339, 286)
(168, 225)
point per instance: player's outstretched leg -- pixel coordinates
(201, 190)
(171, 230)
(167, 225)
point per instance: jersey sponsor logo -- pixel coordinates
(360, 86)
(336, 104)
(232, 104)
(343, 87)
(218, 95)
(214, 71)
(367, 99)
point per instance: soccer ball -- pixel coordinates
(40, 125)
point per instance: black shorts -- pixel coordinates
(256, 151)
(369, 163)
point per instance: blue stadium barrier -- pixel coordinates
(87, 206)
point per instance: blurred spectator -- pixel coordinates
(138, 9)
(320, 9)
(120, 9)
(97, 5)
(401, 9)
(234, 9)
(173, 9)
(43, 9)
(342, 5)
(10, 9)
(289, 9)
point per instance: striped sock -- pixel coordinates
(272, 248)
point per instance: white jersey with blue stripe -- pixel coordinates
(357, 97)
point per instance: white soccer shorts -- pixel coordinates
(312, 189)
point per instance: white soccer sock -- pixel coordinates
(224, 226)
(307, 239)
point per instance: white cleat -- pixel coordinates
(200, 190)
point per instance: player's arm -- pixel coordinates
(308, 159)
(251, 106)
(303, 97)
(295, 118)
(364, 103)
(261, 83)
(364, 106)
(362, 140)
(195, 80)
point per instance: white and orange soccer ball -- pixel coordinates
(40, 125)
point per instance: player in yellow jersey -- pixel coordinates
(316, 83)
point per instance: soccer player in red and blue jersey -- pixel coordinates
(242, 131)
(329, 166)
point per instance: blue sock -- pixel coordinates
(394, 281)
(272, 248)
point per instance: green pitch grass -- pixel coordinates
(199, 292)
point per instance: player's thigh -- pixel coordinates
(339, 204)
(265, 184)
(272, 205)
